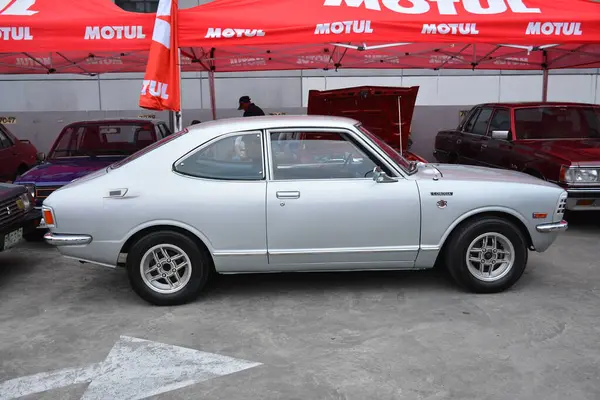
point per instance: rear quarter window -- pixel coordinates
(148, 149)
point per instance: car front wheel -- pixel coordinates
(487, 255)
(167, 268)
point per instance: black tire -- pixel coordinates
(35, 236)
(461, 239)
(201, 266)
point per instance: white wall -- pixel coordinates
(113, 92)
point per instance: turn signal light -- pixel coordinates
(587, 202)
(539, 215)
(48, 216)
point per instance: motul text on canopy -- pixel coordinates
(443, 7)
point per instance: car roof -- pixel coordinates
(276, 121)
(524, 104)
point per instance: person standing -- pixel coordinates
(250, 109)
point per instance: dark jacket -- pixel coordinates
(253, 111)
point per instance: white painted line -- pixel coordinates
(134, 369)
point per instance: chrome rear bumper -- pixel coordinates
(553, 227)
(57, 239)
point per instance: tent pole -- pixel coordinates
(177, 120)
(211, 88)
(545, 77)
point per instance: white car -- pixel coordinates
(298, 193)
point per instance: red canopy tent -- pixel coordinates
(72, 36)
(236, 35)
(96, 36)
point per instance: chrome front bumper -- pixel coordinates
(553, 227)
(57, 239)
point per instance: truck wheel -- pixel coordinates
(487, 255)
(167, 268)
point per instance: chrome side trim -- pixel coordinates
(345, 250)
(83, 260)
(583, 190)
(553, 227)
(430, 247)
(240, 253)
(57, 239)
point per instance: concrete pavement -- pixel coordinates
(385, 335)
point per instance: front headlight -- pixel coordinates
(25, 202)
(31, 189)
(579, 175)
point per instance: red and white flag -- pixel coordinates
(161, 87)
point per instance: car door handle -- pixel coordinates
(484, 146)
(458, 141)
(288, 195)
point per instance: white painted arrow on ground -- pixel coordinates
(134, 369)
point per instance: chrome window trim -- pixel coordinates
(212, 141)
(371, 149)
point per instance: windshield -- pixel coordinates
(148, 149)
(557, 123)
(103, 140)
(393, 154)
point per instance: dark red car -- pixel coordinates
(16, 156)
(558, 142)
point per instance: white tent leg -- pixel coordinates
(211, 89)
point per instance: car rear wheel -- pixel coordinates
(167, 268)
(487, 255)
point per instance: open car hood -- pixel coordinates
(375, 106)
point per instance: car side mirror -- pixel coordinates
(380, 176)
(41, 156)
(501, 135)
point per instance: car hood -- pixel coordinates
(8, 191)
(472, 173)
(65, 170)
(574, 150)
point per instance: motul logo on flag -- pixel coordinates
(161, 87)
(17, 7)
(156, 89)
(444, 7)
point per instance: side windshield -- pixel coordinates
(557, 123)
(103, 140)
(393, 154)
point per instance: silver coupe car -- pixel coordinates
(298, 193)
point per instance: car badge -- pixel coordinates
(442, 204)
(20, 204)
(7, 210)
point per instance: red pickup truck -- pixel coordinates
(558, 142)
(385, 111)
(16, 156)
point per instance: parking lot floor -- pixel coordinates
(384, 335)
